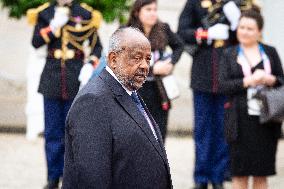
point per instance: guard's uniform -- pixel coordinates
(211, 149)
(59, 80)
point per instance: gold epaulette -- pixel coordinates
(32, 13)
(96, 15)
(246, 5)
(96, 18)
(87, 7)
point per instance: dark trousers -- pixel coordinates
(211, 153)
(55, 112)
(151, 96)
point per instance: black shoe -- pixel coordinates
(227, 176)
(228, 179)
(52, 184)
(218, 186)
(200, 186)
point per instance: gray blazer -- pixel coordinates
(108, 143)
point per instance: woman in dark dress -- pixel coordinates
(244, 67)
(144, 16)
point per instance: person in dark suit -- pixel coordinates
(243, 68)
(144, 16)
(112, 141)
(208, 26)
(62, 25)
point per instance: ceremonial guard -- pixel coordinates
(207, 27)
(68, 29)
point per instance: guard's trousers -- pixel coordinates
(55, 112)
(211, 150)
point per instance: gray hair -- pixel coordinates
(118, 36)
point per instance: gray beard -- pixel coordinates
(128, 82)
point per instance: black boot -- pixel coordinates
(200, 186)
(52, 184)
(218, 186)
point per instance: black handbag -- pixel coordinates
(272, 104)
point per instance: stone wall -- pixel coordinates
(273, 33)
(14, 51)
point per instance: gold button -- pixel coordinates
(78, 27)
(57, 33)
(57, 53)
(206, 4)
(70, 54)
(219, 43)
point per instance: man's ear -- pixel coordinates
(112, 60)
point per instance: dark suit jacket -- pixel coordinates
(109, 143)
(231, 84)
(53, 80)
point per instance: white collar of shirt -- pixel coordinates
(113, 75)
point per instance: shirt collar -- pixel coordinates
(113, 75)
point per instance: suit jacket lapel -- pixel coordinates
(130, 107)
(158, 132)
(133, 111)
(127, 103)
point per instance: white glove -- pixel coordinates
(233, 14)
(85, 74)
(218, 31)
(60, 18)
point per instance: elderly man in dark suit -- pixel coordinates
(112, 141)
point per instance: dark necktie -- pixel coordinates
(143, 112)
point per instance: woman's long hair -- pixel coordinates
(157, 35)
